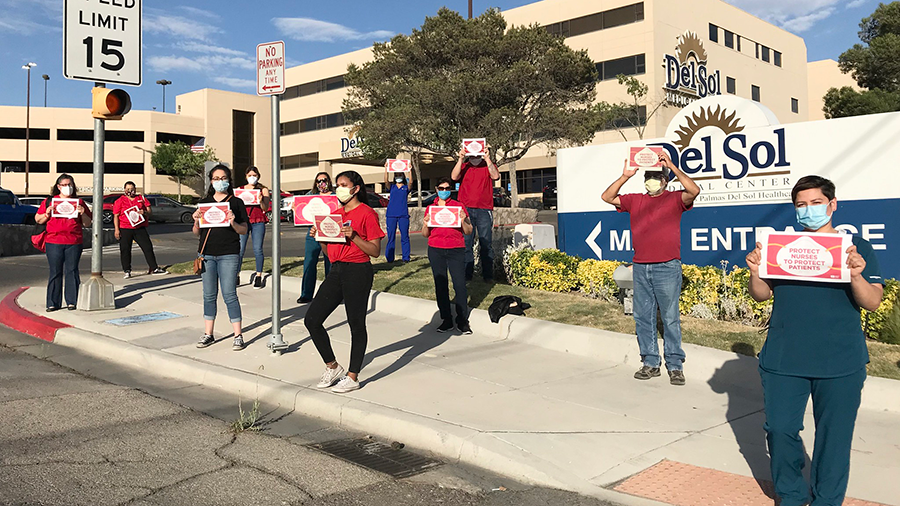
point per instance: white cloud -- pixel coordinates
(204, 63)
(178, 27)
(199, 12)
(855, 3)
(235, 82)
(314, 30)
(804, 23)
(793, 15)
(198, 47)
(30, 18)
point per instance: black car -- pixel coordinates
(501, 198)
(454, 194)
(549, 195)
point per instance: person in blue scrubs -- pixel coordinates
(397, 214)
(815, 346)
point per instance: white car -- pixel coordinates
(414, 195)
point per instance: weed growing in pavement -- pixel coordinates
(246, 420)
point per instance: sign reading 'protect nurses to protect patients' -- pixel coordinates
(806, 256)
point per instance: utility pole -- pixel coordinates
(27, 121)
(470, 9)
(164, 83)
(46, 78)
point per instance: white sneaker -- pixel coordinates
(330, 376)
(127, 274)
(345, 385)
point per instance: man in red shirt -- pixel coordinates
(476, 176)
(656, 235)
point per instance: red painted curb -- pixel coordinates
(13, 316)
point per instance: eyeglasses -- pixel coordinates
(220, 179)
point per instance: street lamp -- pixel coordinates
(27, 67)
(164, 83)
(46, 78)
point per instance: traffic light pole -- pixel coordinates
(97, 293)
(276, 342)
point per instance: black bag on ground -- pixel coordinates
(507, 304)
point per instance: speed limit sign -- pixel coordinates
(102, 41)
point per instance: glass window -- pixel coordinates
(738, 40)
(291, 92)
(795, 106)
(622, 15)
(729, 39)
(242, 139)
(777, 57)
(757, 50)
(730, 85)
(40, 134)
(291, 127)
(713, 33)
(629, 66)
(754, 92)
(167, 137)
(586, 24)
(765, 54)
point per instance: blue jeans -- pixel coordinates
(63, 260)
(258, 232)
(221, 271)
(392, 222)
(483, 225)
(658, 285)
(310, 266)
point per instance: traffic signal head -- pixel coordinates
(110, 103)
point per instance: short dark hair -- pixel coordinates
(443, 180)
(129, 183)
(812, 182)
(655, 174)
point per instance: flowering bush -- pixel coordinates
(882, 324)
(595, 278)
(546, 269)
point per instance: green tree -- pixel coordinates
(455, 78)
(874, 64)
(176, 160)
(635, 114)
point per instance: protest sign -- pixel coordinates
(474, 147)
(805, 256)
(214, 214)
(444, 217)
(645, 158)
(250, 197)
(65, 208)
(328, 228)
(134, 217)
(307, 207)
(396, 165)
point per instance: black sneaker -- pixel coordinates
(303, 300)
(205, 341)
(159, 271)
(465, 328)
(646, 372)
(257, 283)
(676, 377)
(238, 344)
(447, 325)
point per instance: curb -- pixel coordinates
(15, 317)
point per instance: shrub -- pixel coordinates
(876, 323)
(700, 285)
(547, 269)
(595, 278)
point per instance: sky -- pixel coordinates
(212, 43)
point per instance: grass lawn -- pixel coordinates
(414, 280)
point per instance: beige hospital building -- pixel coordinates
(682, 49)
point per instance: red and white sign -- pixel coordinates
(645, 158)
(805, 256)
(65, 208)
(307, 207)
(270, 68)
(214, 214)
(250, 197)
(475, 147)
(328, 228)
(444, 217)
(397, 165)
(134, 216)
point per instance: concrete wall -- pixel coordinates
(15, 240)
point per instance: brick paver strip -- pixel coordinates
(682, 484)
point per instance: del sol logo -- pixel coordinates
(687, 76)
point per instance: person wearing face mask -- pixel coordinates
(220, 248)
(656, 236)
(349, 281)
(815, 347)
(321, 186)
(64, 244)
(447, 252)
(257, 227)
(128, 233)
(476, 176)
(397, 214)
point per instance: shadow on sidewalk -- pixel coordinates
(137, 290)
(427, 339)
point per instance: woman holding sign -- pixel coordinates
(64, 214)
(349, 281)
(397, 212)
(256, 198)
(313, 249)
(447, 252)
(130, 213)
(219, 221)
(815, 346)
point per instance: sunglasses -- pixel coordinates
(443, 187)
(321, 180)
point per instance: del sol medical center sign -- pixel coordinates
(688, 77)
(745, 163)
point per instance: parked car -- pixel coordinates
(376, 200)
(454, 194)
(413, 197)
(32, 201)
(108, 201)
(13, 211)
(548, 198)
(163, 209)
(501, 198)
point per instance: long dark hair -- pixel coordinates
(315, 188)
(362, 195)
(212, 191)
(253, 169)
(54, 192)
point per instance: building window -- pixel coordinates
(730, 85)
(738, 40)
(599, 21)
(639, 118)
(629, 66)
(298, 161)
(765, 54)
(242, 139)
(163, 137)
(757, 51)
(754, 92)
(310, 124)
(795, 106)
(729, 39)
(623, 15)
(64, 134)
(108, 167)
(585, 24)
(713, 33)
(777, 59)
(529, 181)
(19, 166)
(320, 86)
(39, 134)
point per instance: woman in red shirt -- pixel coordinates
(258, 220)
(64, 240)
(350, 281)
(447, 252)
(130, 217)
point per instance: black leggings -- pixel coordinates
(140, 236)
(350, 283)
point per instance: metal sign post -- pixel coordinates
(270, 81)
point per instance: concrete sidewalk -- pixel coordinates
(545, 403)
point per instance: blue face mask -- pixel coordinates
(813, 217)
(443, 194)
(220, 186)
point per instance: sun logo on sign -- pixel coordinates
(705, 117)
(690, 44)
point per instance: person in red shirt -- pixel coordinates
(64, 242)
(447, 252)
(476, 176)
(258, 220)
(130, 217)
(656, 235)
(349, 281)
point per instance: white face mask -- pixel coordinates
(344, 194)
(252, 179)
(66, 190)
(653, 186)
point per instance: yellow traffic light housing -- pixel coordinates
(110, 103)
